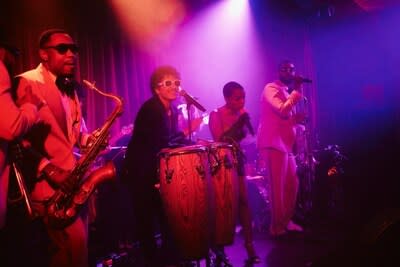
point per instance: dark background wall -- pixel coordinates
(358, 93)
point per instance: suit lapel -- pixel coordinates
(53, 98)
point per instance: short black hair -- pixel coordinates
(46, 35)
(230, 87)
(159, 73)
(10, 48)
(5, 42)
(284, 62)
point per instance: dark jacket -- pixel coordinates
(152, 131)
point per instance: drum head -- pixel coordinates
(182, 150)
(216, 145)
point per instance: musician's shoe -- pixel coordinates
(253, 260)
(293, 227)
(221, 259)
(252, 257)
(187, 264)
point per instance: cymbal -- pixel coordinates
(252, 178)
(248, 140)
(116, 147)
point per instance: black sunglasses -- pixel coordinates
(288, 69)
(63, 48)
(169, 83)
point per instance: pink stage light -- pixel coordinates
(149, 23)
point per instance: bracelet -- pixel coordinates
(49, 171)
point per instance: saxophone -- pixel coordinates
(63, 207)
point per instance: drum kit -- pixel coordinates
(199, 188)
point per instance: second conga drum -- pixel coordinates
(225, 186)
(185, 188)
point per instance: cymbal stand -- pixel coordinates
(306, 166)
(189, 115)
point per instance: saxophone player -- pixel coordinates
(55, 137)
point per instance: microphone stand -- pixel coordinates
(188, 106)
(308, 161)
(189, 102)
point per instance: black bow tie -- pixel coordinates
(66, 85)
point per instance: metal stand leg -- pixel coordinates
(208, 261)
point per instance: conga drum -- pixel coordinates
(224, 182)
(185, 189)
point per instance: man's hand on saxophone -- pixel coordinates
(91, 139)
(58, 178)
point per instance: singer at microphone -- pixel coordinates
(231, 121)
(190, 100)
(230, 124)
(278, 117)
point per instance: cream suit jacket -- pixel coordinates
(53, 136)
(277, 125)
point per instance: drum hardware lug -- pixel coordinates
(168, 175)
(211, 168)
(214, 168)
(227, 162)
(200, 170)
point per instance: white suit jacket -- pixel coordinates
(277, 125)
(55, 135)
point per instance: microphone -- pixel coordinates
(302, 79)
(244, 119)
(250, 127)
(190, 100)
(247, 122)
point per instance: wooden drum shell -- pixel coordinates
(185, 191)
(225, 186)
